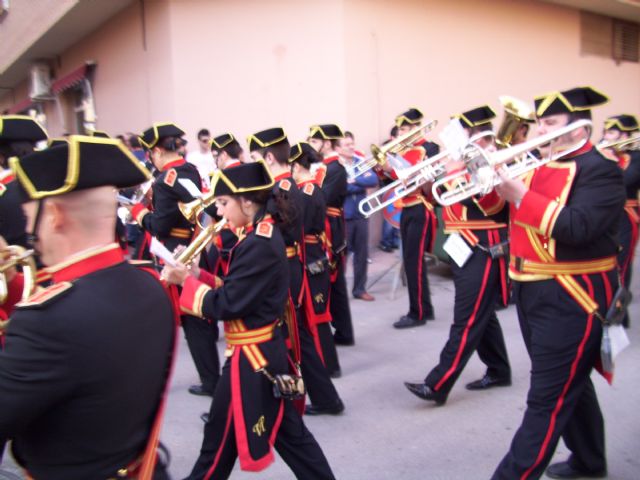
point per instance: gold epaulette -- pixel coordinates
(45, 296)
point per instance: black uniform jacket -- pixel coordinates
(84, 367)
(166, 222)
(13, 221)
(252, 297)
(334, 187)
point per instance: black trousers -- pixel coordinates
(358, 244)
(475, 324)
(416, 232)
(563, 343)
(295, 444)
(319, 386)
(201, 336)
(339, 306)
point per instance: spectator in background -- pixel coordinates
(202, 158)
(357, 224)
(390, 235)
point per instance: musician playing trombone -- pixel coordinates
(417, 228)
(480, 224)
(617, 129)
(564, 222)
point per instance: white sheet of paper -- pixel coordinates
(619, 340)
(160, 251)
(190, 187)
(457, 249)
(454, 138)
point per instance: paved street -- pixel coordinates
(387, 433)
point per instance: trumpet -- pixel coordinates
(379, 154)
(14, 255)
(631, 144)
(193, 209)
(480, 176)
(199, 243)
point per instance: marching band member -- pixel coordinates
(178, 181)
(86, 359)
(564, 239)
(479, 280)
(417, 229)
(323, 139)
(316, 340)
(246, 419)
(618, 128)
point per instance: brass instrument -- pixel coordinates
(14, 255)
(516, 114)
(480, 176)
(199, 243)
(631, 144)
(409, 180)
(395, 147)
(138, 195)
(193, 209)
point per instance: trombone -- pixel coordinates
(480, 176)
(14, 255)
(379, 154)
(631, 144)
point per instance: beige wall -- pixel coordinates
(250, 64)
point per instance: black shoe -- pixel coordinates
(385, 248)
(430, 316)
(344, 342)
(488, 382)
(205, 417)
(425, 392)
(565, 470)
(408, 322)
(336, 373)
(335, 409)
(200, 390)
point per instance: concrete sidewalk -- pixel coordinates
(385, 432)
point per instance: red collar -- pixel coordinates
(233, 164)
(87, 262)
(331, 159)
(282, 176)
(420, 141)
(584, 149)
(267, 219)
(175, 163)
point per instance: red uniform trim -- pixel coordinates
(282, 176)
(84, 264)
(222, 445)
(467, 327)
(565, 389)
(176, 163)
(330, 159)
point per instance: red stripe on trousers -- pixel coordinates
(222, 445)
(465, 333)
(565, 389)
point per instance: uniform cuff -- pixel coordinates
(538, 212)
(210, 279)
(138, 212)
(192, 296)
(490, 204)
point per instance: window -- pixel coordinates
(609, 37)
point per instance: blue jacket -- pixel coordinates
(356, 191)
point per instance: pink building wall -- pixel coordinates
(247, 65)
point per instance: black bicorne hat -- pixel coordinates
(221, 141)
(266, 138)
(413, 116)
(77, 163)
(302, 150)
(327, 131)
(152, 135)
(248, 177)
(99, 134)
(20, 128)
(624, 123)
(574, 100)
(476, 116)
